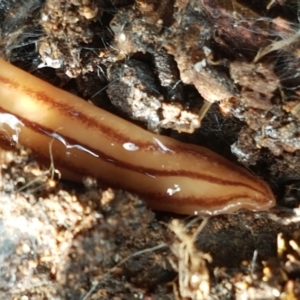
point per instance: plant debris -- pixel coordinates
(157, 63)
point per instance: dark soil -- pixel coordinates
(61, 240)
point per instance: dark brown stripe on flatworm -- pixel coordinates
(68, 111)
(194, 201)
(154, 197)
(128, 166)
(114, 135)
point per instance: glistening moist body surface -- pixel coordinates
(88, 141)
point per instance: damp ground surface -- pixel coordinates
(156, 63)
